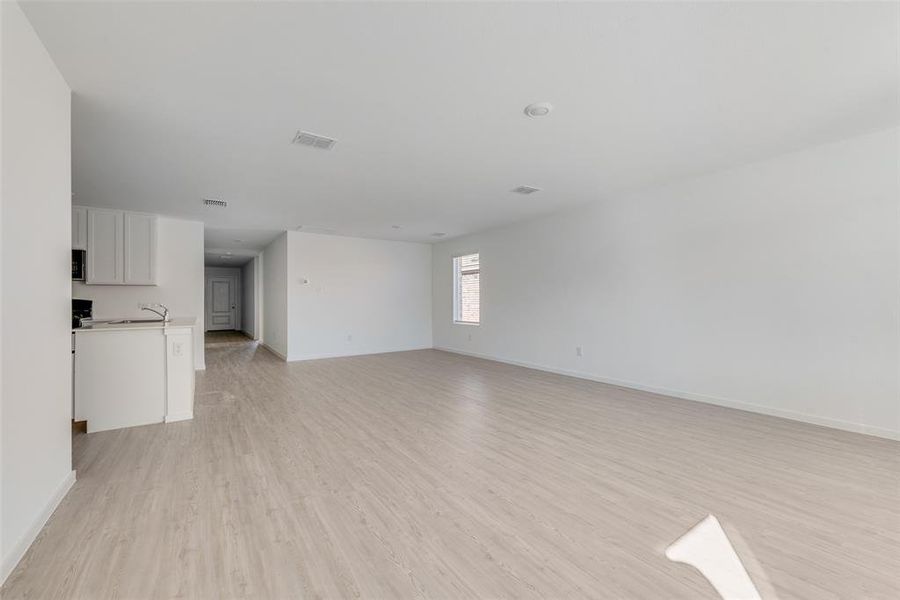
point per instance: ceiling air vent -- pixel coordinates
(526, 189)
(211, 202)
(305, 138)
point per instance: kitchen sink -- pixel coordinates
(124, 321)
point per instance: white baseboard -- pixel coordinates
(881, 432)
(303, 357)
(274, 351)
(182, 416)
(21, 547)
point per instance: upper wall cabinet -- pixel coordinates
(121, 248)
(140, 249)
(79, 228)
(105, 247)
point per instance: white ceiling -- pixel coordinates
(214, 259)
(227, 247)
(175, 102)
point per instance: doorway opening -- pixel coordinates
(232, 297)
(233, 284)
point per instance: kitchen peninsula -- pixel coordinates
(133, 372)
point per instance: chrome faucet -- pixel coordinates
(164, 314)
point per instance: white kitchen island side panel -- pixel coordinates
(120, 378)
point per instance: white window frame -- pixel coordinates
(456, 300)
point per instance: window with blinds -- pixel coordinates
(466, 289)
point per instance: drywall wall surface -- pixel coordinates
(771, 287)
(35, 292)
(275, 296)
(248, 299)
(352, 296)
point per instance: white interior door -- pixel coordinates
(221, 304)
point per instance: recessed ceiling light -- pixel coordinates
(538, 109)
(228, 253)
(438, 234)
(225, 257)
(525, 189)
(213, 202)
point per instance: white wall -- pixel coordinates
(36, 365)
(248, 298)
(274, 284)
(772, 287)
(235, 274)
(181, 281)
(364, 296)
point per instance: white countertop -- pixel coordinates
(105, 325)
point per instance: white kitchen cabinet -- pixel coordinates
(105, 247)
(140, 249)
(120, 378)
(79, 228)
(133, 374)
(121, 247)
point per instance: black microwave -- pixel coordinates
(77, 265)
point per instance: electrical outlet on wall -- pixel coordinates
(349, 337)
(578, 351)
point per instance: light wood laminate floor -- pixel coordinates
(430, 475)
(228, 336)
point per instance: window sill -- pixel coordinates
(466, 323)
